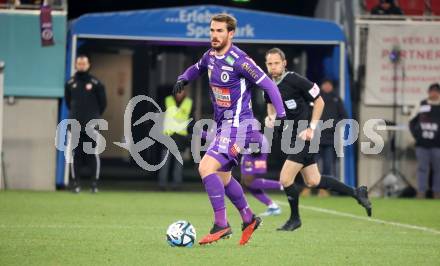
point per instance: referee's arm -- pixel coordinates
(318, 107)
(271, 112)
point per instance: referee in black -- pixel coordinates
(297, 93)
(86, 100)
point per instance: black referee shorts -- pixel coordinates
(303, 157)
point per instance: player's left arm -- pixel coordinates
(256, 75)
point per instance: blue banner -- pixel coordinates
(193, 22)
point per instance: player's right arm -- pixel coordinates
(196, 70)
(191, 73)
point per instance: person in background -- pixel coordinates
(178, 110)
(86, 100)
(333, 109)
(386, 7)
(424, 128)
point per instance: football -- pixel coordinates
(181, 234)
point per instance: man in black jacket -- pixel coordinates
(333, 109)
(425, 130)
(86, 100)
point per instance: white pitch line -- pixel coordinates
(374, 220)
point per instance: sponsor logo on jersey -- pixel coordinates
(429, 126)
(425, 108)
(234, 54)
(89, 86)
(224, 76)
(314, 91)
(247, 67)
(230, 60)
(211, 60)
(228, 68)
(222, 96)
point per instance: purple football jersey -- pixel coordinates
(230, 78)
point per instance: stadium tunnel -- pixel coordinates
(169, 39)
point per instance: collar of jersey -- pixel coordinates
(282, 77)
(224, 55)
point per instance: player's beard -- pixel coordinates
(220, 46)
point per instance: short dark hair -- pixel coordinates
(82, 56)
(276, 50)
(231, 22)
(434, 86)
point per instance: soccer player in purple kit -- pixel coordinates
(253, 166)
(231, 75)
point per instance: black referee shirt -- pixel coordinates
(297, 93)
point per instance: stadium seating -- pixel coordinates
(412, 7)
(369, 4)
(435, 7)
(409, 7)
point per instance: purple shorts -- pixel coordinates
(227, 149)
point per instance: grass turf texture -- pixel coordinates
(128, 228)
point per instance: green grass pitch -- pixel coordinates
(128, 228)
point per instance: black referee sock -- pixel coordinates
(292, 194)
(333, 184)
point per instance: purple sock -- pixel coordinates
(216, 193)
(235, 193)
(261, 196)
(262, 183)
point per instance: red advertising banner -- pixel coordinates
(46, 26)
